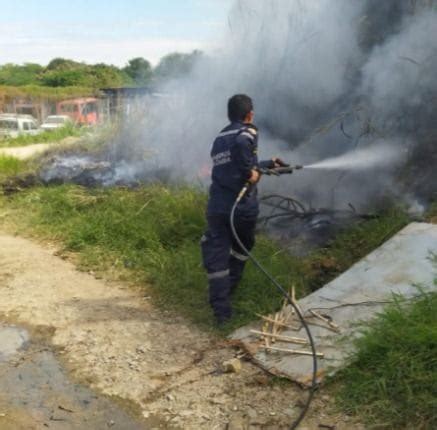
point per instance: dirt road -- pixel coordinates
(109, 338)
(24, 152)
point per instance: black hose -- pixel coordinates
(287, 297)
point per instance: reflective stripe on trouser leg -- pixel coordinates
(218, 275)
(216, 245)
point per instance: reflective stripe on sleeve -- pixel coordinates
(247, 134)
(218, 275)
(239, 256)
(229, 133)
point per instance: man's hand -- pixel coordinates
(255, 176)
(279, 163)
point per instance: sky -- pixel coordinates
(108, 31)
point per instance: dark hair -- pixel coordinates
(238, 107)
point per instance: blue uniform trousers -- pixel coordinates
(224, 260)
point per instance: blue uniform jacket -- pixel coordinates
(234, 155)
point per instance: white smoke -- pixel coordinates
(326, 76)
(284, 54)
(401, 71)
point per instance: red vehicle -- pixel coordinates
(82, 111)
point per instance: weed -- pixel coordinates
(44, 137)
(10, 166)
(46, 93)
(431, 214)
(392, 379)
(153, 233)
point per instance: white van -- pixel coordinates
(12, 125)
(53, 122)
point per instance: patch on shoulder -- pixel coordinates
(252, 131)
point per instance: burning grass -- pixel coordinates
(150, 235)
(392, 380)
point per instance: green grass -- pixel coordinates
(44, 137)
(431, 214)
(391, 382)
(10, 166)
(151, 235)
(8, 92)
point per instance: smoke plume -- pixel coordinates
(327, 78)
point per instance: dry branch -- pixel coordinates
(271, 320)
(293, 351)
(326, 320)
(282, 338)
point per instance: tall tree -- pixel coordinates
(140, 70)
(17, 75)
(176, 65)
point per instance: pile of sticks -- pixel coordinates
(285, 320)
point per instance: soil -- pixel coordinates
(142, 367)
(23, 152)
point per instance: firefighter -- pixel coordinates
(235, 162)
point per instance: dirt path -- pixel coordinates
(109, 337)
(24, 152)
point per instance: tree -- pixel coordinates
(17, 75)
(61, 72)
(176, 65)
(139, 70)
(63, 64)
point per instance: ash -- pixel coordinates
(92, 171)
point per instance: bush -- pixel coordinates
(154, 233)
(46, 136)
(392, 379)
(10, 166)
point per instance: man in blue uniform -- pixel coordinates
(235, 162)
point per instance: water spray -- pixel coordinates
(376, 156)
(278, 171)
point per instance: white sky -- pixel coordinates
(111, 31)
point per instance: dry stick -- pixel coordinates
(274, 327)
(282, 313)
(326, 320)
(143, 207)
(293, 351)
(291, 294)
(266, 338)
(270, 320)
(293, 299)
(327, 327)
(282, 338)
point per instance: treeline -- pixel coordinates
(61, 72)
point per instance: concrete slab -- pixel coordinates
(397, 267)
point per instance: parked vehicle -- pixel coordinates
(13, 125)
(53, 122)
(82, 111)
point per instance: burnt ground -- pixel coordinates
(97, 354)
